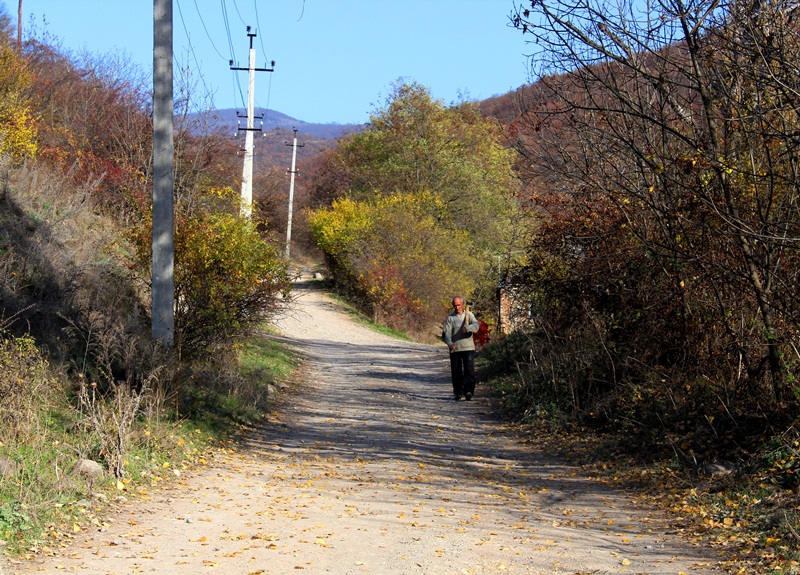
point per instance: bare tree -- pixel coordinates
(671, 127)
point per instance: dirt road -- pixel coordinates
(372, 468)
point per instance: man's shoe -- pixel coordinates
(468, 396)
(456, 397)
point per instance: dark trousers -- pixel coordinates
(462, 369)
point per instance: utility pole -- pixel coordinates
(163, 282)
(19, 28)
(247, 171)
(293, 171)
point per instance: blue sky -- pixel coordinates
(335, 59)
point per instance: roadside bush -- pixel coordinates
(394, 259)
(26, 385)
(228, 280)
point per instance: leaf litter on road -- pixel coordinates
(377, 470)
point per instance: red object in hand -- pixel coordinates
(481, 337)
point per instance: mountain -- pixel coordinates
(273, 142)
(232, 119)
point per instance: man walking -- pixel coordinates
(458, 329)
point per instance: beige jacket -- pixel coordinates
(455, 335)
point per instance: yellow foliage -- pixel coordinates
(226, 277)
(337, 227)
(394, 252)
(17, 123)
(17, 132)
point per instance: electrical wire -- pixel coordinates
(269, 95)
(264, 52)
(236, 6)
(200, 15)
(236, 84)
(258, 24)
(227, 30)
(192, 50)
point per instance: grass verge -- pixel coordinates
(44, 502)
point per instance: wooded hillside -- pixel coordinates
(636, 209)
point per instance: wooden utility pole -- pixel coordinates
(163, 281)
(19, 28)
(247, 171)
(293, 171)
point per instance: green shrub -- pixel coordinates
(25, 385)
(228, 280)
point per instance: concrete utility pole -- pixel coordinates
(293, 171)
(163, 282)
(247, 171)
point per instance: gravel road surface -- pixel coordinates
(370, 467)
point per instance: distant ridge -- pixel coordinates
(227, 120)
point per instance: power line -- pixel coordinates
(234, 78)
(238, 92)
(200, 15)
(227, 29)
(263, 50)
(258, 27)
(269, 92)
(239, 13)
(192, 50)
(241, 93)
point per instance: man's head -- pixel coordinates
(458, 304)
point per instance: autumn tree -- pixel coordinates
(451, 159)
(18, 136)
(391, 254)
(659, 143)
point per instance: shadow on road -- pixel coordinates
(381, 414)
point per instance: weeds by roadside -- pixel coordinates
(747, 509)
(131, 430)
